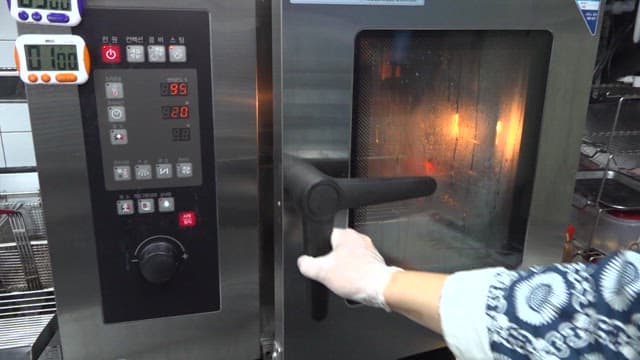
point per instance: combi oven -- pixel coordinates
(488, 98)
(177, 179)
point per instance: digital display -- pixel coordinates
(175, 112)
(64, 5)
(174, 89)
(51, 57)
(181, 134)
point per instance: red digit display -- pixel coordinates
(184, 112)
(176, 112)
(174, 89)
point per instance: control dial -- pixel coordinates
(159, 258)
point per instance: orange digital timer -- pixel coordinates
(52, 59)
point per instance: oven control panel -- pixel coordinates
(148, 127)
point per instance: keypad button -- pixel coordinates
(111, 54)
(46, 78)
(119, 137)
(187, 219)
(135, 53)
(157, 53)
(23, 15)
(66, 78)
(114, 90)
(166, 204)
(177, 53)
(116, 114)
(146, 206)
(33, 78)
(58, 18)
(122, 173)
(164, 171)
(143, 172)
(184, 170)
(36, 16)
(125, 207)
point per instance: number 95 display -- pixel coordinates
(52, 59)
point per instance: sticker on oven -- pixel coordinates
(361, 2)
(590, 10)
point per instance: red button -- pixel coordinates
(111, 54)
(187, 219)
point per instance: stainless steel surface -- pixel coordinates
(232, 333)
(27, 323)
(313, 97)
(620, 192)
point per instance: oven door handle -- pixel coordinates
(319, 197)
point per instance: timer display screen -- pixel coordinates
(174, 89)
(175, 112)
(64, 5)
(51, 57)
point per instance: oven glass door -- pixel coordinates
(464, 107)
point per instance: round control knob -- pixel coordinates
(159, 260)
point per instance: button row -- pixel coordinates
(57, 18)
(186, 219)
(61, 78)
(146, 206)
(112, 54)
(143, 172)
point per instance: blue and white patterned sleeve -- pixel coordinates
(565, 311)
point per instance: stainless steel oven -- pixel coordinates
(157, 183)
(487, 98)
(149, 181)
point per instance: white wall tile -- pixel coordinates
(18, 149)
(8, 28)
(11, 183)
(6, 54)
(2, 163)
(14, 117)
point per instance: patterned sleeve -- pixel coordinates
(566, 311)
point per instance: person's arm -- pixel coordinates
(450, 305)
(446, 304)
(587, 311)
(416, 295)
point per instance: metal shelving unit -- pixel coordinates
(607, 199)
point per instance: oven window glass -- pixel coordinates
(464, 107)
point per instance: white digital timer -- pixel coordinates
(47, 12)
(52, 59)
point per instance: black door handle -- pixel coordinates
(319, 197)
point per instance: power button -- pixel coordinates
(111, 54)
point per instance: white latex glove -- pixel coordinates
(354, 269)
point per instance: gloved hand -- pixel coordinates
(354, 269)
